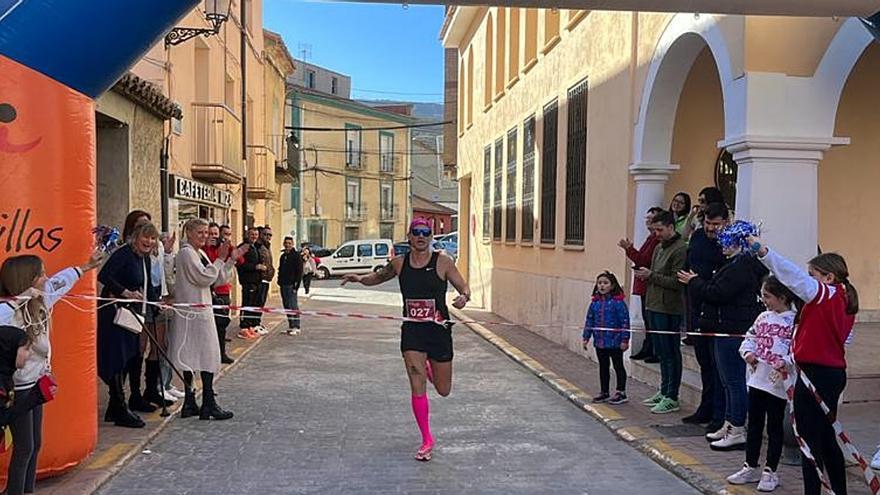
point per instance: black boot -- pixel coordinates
(136, 401)
(210, 409)
(151, 392)
(117, 411)
(190, 406)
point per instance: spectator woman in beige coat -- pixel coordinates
(193, 337)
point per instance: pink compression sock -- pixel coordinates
(420, 411)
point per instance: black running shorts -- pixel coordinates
(433, 339)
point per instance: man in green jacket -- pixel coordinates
(664, 301)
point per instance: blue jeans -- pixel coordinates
(668, 349)
(289, 300)
(732, 372)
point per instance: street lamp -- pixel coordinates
(216, 12)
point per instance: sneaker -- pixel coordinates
(719, 433)
(172, 390)
(603, 397)
(875, 462)
(297, 331)
(734, 439)
(769, 481)
(245, 333)
(261, 330)
(666, 406)
(653, 400)
(167, 395)
(745, 475)
(619, 398)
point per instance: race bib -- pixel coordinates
(421, 309)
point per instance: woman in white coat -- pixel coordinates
(192, 339)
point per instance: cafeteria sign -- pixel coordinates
(191, 190)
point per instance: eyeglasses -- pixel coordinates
(417, 232)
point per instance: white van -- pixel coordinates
(360, 256)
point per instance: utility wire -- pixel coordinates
(386, 128)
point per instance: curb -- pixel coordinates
(114, 469)
(677, 462)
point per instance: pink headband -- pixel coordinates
(420, 222)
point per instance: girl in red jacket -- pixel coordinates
(823, 325)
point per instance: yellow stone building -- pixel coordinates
(572, 124)
(206, 160)
(355, 169)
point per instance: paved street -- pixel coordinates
(328, 412)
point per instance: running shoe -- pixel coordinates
(745, 475)
(654, 399)
(167, 395)
(603, 397)
(261, 330)
(425, 453)
(619, 398)
(734, 439)
(246, 334)
(666, 406)
(769, 481)
(719, 433)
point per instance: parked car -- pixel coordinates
(401, 248)
(359, 256)
(318, 251)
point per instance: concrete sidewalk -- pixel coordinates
(117, 446)
(680, 448)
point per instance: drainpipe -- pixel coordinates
(243, 61)
(163, 183)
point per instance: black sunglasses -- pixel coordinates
(420, 232)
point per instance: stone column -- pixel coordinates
(650, 180)
(777, 186)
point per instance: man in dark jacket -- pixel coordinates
(704, 257)
(264, 244)
(290, 272)
(250, 276)
(642, 258)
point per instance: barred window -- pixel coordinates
(487, 190)
(528, 181)
(576, 165)
(548, 174)
(510, 221)
(496, 203)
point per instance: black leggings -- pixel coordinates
(815, 428)
(606, 357)
(27, 437)
(764, 405)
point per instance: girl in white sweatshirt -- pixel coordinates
(25, 276)
(765, 349)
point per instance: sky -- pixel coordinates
(383, 47)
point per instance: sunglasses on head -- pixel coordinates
(420, 231)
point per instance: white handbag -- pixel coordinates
(126, 317)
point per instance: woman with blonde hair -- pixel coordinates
(126, 275)
(25, 276)
(192, 340)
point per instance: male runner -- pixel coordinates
(426, 345)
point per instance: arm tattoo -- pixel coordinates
(387, 272)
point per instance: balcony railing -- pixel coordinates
(284, 171)
(389, 164)
(389, 212)
(216, 143)
(355, 212)
(261, 172)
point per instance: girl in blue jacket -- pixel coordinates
(608, 311)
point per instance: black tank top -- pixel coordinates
(423, 291)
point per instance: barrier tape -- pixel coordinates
(334, 314)
(840, 435)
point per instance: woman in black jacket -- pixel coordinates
(125, 275)
(731, 302)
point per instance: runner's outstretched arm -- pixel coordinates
(385, 274)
